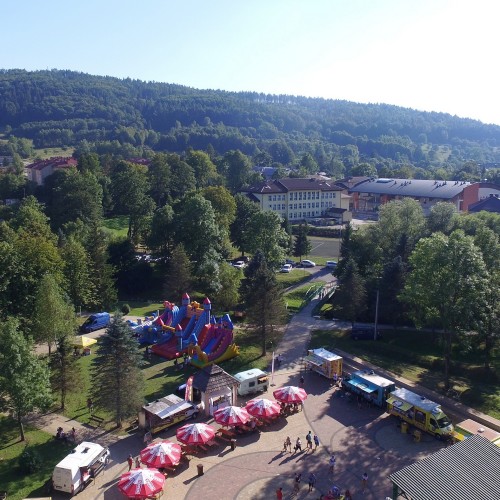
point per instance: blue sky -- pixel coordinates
(432, 55)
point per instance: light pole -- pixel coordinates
(376, 314)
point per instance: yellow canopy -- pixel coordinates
(83, 341)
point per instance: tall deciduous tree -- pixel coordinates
(446, 286)
(24, 377)
(205, 171)
(53, 316)
(178, 278)
(442, 217)
(263, 298)
(223, 204)
(302, 246)
(238, 168)
(228, 294)
(116, 372)
(159, 177)
(240, 228)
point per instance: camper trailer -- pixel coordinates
(252, 381)
(76, 470)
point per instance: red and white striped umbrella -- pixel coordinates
(141, 483)
(195, 433)
(260, 407)
(290, 394)
(161, 454)
(232, 415)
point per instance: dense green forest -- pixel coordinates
(65, 108)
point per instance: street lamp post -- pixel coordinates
(376, 314)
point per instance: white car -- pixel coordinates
(308, 263)
(286, 268)
(240, 264)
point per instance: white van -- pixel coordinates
(75, 471)
(252, 381)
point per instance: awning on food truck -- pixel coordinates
(313, 360)
(362, 386)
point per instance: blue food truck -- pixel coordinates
(370, 386)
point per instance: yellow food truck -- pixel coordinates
(324, 362)
(420, 412)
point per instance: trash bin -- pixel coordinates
(417, 435)
(200, 469)
(404, 427)
(233, 444)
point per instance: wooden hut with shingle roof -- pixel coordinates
(218, 388)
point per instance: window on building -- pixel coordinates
(333, 195)
(270, 198)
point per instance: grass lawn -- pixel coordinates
(298, 298)
(18, 484)
(416, 355)
(294, 277)
(117, 226)
(45, 153)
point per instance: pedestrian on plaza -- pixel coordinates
(316, 441)
(331, 462)
(287, 445)
(298, 445)
(296, 485)
(309, 440)
(280, 359)
(347, 495)
(130, 462)
(279, 494)
(137, 463)
(312, 481)
(335, 378)
(364, 481)
(301, 383)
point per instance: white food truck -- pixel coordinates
(76, 470)
(252, 381)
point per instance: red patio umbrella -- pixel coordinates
(195, 433)
(232, 415)
(260, 407)
(290, 394)
(161, 454)
(141, 483)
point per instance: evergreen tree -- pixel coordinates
(65, 371)
(178, 278)
(263, 297)
(24, 376)
(351, 294)
(116, 372)
(302, 246)
(345, 250)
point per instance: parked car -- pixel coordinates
(291, 262)
(364, 332)
(308, 263)
(286, 268)
(240, 264)
(331, 264)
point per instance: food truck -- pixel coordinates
(76, 470)
(324, 362)
(165, 412)
(252, 381)
(370, 386)
(469, 427)
(420, 412)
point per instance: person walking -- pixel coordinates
(364, 481)
(301, 381)
(347, 495)
(137, 463)
(316, 442)
(287, 445)
(298, 445)
(312, 481)
(279, 494)
(331, 463)
(309, 440)
(90, 405)
(130, 462)
(296, 485)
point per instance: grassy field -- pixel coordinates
(117, 226)
(299, 297)
(18, 484)
(417, 356)
(50, 152)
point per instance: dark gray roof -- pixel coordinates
(349, 182)
(490, 204)
(291, 184)
(469, 469)
(411, 187)
(212, 378)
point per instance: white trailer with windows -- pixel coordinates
(252, 381)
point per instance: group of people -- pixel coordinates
(66, 436)
(310, 440)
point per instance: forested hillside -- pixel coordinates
(64, 108)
